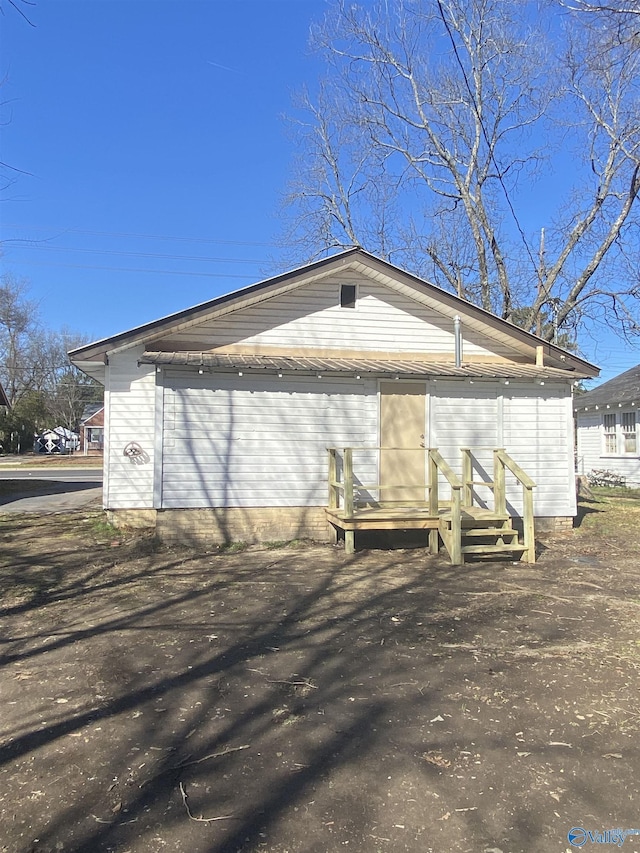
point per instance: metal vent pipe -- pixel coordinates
(457, 336)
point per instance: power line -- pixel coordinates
(47, 248)
(137, 270)
(141, 236)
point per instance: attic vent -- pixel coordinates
(347, 296)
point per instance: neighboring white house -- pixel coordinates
(607, 427)
(218, 418)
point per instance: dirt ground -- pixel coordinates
(292, 699)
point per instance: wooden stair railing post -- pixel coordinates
(334, 494)
(452, 536)
(349, 535)
(456, 526)
(433, 502)
(500, 488)
(529, 529)
(467, 477)
(334, 489)
(527, 502)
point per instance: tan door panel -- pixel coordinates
(402, 439)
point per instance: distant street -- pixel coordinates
(62, 475)
(50, 490)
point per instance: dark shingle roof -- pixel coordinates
(624, 388)
(90, 410)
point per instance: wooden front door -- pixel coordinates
(402, 439)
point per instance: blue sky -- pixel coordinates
(157, 154)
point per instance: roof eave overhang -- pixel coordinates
(209, 363)
(600, 404)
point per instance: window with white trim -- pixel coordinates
(610, 435)
(629, 439)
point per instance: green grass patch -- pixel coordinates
(615, 510)
(232, 547)
(606, 492)
(278, 544)
(54, 462)
(103, 529)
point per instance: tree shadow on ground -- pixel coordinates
(587, 507)
(292, 699)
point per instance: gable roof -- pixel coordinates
(3, 397)
(624, 388)
(352, 259)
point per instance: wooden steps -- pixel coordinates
(480, 550)
(483, 534)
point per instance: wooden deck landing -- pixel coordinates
(414, 517)
(475, 522)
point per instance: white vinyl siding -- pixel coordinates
(538, 434)
(311, 316)
(589, 442)
(259, 441)
(532, 422)
(129, 417)
(466, 415)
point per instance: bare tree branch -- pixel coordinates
(442, 111)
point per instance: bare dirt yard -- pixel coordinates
(291, 699)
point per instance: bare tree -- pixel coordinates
(448, 110)
(67, 390)
(20, 6)
(619, 7)
(18, 331)
(34, 361)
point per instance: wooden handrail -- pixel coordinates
(438, 463)
(515, 469)
(347, 464)
(502, 461)
(445, 469)
(347, 487)
(374, 487)
(334, 485)
(467, 476)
